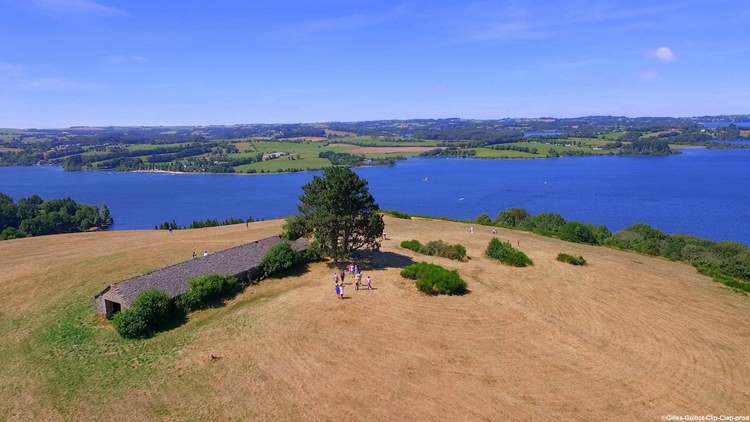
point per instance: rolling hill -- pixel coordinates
(626, 337)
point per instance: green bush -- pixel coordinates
(725, 262)
(312, 253)
(507, 254)
(571, 259)
(154, 306)
(413, 245)
(294, 228)
(151, 311)
(130, 324)
(545, 224)
(512, 217)
(434, 279)
(437, 248)
(445, 250)
(12, 233)
(578, 232)
(484, 220)
(204, 291)
(280, 258)
(398, 214)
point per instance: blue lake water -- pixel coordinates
(700, 192)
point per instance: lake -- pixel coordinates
(701, 192)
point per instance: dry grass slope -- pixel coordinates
(626, 337)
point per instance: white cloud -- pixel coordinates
(78, 6)
(664, 54)
(649, 75)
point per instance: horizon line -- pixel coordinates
(322, 122)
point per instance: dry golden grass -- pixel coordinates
(626, 337)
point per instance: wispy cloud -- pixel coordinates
(519, 23)
(664, 55)
(77, 6)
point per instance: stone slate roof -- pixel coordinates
(174, 280)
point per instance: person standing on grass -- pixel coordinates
(369, 283)
(341, 290)
(338, 290)
(336, 278)
(357, 279)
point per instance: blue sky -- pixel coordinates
(107, 62)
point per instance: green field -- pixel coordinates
(304, 155)
(572, 146)
(370, 141)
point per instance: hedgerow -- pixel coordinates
(437, 248)
(207, 290)
(435, 280)
(507, 254)
(571, 259)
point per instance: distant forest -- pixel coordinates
(214, 149)
(34, 216)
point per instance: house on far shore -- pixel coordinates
(272, 155)
(241, 261)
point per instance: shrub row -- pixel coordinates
(571, 259)
(553, 225)
(153, 310)
(725, 262)
(434, 279)
(507, 254)
(206, 291)
(398, 214)
(437, 248)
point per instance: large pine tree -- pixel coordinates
(339, 213)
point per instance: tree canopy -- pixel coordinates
(34, 216)
(338, 211)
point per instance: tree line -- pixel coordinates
(34, 216)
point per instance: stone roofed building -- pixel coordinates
(241, 261)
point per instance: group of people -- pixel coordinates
(494, 232)
(205, 253)
(340, 277)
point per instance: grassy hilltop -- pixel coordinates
(624, 337)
